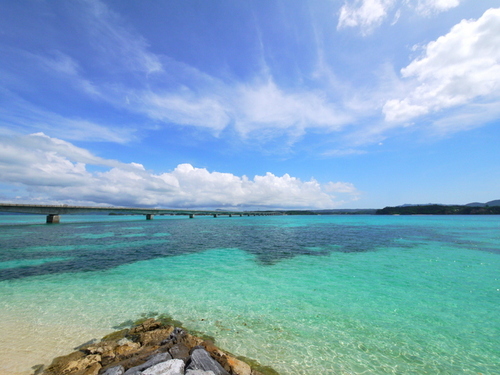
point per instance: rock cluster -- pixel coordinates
(150, 348)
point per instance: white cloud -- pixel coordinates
(365, 14)
(252, 108)
(370, 14)
(455, 69)
(261, 106)
(57, 171)
(427, 7)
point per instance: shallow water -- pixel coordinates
(303, 294)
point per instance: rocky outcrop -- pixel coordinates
(151, 348)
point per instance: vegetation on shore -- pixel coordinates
(437, 209)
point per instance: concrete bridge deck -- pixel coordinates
(53, 212)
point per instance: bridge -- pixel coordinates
(53, 212)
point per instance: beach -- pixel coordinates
(303, 295)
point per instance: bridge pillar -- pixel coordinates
(215, 215)
(52, 219)
(149, 216)
(191, 216)
(230, 215)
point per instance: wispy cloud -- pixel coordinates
(20, 116)
(343, 152)
(159, 91)
(110, 35)
(185, 108)
(54, 170)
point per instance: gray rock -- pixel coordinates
(199, 372)
(171, 367)
(117, 370)
(180, 351)
(174, 337)
(150, 362)
(201, 360)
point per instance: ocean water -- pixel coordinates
(302, 294)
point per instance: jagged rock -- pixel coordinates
(238, 367)
(99, 348)
(227, 361)
(201, 360)
(190, 341)
(59, 363)
(93, 369)
(155, 337)
(125, 347)
(82, 364)
(174, 337)
(217, 354)
(171, 367)
(148, 325)
(180, 351)
(150, 362)
(152, 349)
(117, 370)
(133, 358)
(199, 372)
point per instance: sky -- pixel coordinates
(264, 104)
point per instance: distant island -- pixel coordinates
(489, 208)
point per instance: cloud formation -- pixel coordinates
(427, 7)
(53, 170)
(265, 105)
(133, 90)
(367, 15)
(453, 70)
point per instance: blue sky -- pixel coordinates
(250, 104)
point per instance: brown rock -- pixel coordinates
(148, 325)
(59, 363)
(108, 357)
(127, 348)
(93, 369)
(100, 348)
(189, 340)
(238, 367)
(81, 364)
(155, 337)
(132, 358)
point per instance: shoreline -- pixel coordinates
(152, 346)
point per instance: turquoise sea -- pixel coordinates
(302, 294)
